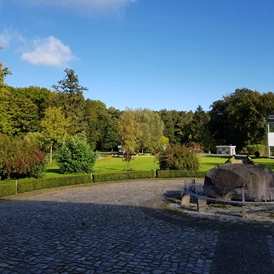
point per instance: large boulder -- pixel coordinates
(228, 181)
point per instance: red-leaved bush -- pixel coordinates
(20, 159)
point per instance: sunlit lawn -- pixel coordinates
(109, 164)
(113, 165)
(269, 163)
(209, 162)
(52, 170)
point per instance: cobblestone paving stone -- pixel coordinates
(98, 229)
(101, 229)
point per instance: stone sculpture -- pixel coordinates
(229, 181)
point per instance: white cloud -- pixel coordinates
(88, 6)
(8, 36)
(49, 51)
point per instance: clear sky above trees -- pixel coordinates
(141, 54)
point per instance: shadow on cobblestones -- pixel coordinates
(82, 231)
(51, 237)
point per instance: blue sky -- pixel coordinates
(156, 54)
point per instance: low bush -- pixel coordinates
(178, 158)
(257, 150)
(130, 175)
(35, 184)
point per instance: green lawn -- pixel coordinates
(113, 165)
(53, 170)
(209, 162)
(269, 163)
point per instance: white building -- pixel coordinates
(228, 150)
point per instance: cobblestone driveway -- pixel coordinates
(116, 228)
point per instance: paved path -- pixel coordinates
(118, 228)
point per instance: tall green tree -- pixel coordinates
(4, 71)
(151, 129)
(169, 130)
(111, 139)
(69, 96)
(5, 126)
(129, 131)
(26, 108)
(198, 129)
(238, 119)
(176, 125)
(54, 127)
(5, 117)
(101, 126)
(39, 96)
(24, 116)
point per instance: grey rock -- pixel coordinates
(227, 181)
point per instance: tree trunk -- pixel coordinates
(50, 154)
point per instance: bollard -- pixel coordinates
(243, 206)
(244, 211)
(201, 205)
(185, 200)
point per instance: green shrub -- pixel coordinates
(180, 174)
(38, 171)
(35, 184)
(76, 156)
(7, 188)
(130, 175)
(257, 149)
(178, 158)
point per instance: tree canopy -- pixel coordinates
(69, 96)
(238, 118)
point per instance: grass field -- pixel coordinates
(113, 165)
(209, 162)
(269, 163)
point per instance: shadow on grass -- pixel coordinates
(53, 170)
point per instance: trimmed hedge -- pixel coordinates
(7, 188)
(29, 185)
(123, 176)
(180, 173)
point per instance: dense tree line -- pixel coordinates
(46, 117)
